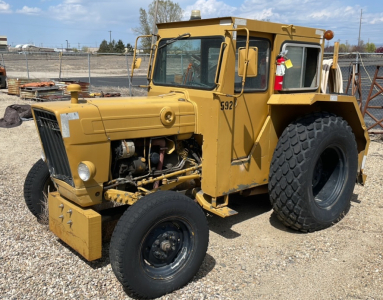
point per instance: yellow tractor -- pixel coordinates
(233, 106)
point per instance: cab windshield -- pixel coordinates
(190, 62)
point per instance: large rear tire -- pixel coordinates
(313, 172)
(37, 185)
(159, 244)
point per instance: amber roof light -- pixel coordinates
(328, 35)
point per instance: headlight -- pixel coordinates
(86, 170)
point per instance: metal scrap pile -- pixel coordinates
(35, 89)
(42, 91)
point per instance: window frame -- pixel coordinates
(267, 76)
(304, 45)
(186, 86)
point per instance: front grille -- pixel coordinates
(53, 144)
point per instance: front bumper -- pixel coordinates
(79, 228)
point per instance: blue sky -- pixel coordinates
(87, 22)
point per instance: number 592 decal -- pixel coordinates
(226, 105)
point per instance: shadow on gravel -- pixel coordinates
(247, 208)
(278, 225)
(207, 266)
(274, 221)
(95, 264)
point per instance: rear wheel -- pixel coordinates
(159, 244)
(37, 185)
(313, 172)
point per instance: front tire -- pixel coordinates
(37, 185)
(159, 244)
(313, 172)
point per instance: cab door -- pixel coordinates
(250, 110)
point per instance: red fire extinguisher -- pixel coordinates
(279, 73)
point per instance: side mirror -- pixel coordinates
(252, 68)
(137, 63)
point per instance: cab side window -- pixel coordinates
(259, 83)
(304, 75)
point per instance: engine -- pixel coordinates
(138, 159)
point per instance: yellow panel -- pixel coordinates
(79, 228)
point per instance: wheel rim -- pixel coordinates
(166, 248)
(329, 176)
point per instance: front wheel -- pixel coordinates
(313, 172)
(159, 244)
(37, 185)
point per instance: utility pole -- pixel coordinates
(154, 22)
(360, 26)
(110, 36)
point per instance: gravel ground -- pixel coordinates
(250, 256)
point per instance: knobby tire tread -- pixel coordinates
(287, 170)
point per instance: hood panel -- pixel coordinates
(141, 117)
(121, 118)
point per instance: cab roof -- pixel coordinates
(252, 25)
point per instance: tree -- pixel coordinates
(361, 47)
(129, 48)
(168, 11)
(379, 50)
(111, 46)
(85, 49)
(104, 48)
(344, 47)
(119, 47)
(370, 47)
(329, 49)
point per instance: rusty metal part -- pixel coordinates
(112, 95)
(3, 77)
(38, 84)
(370, 97)
(84, 86)
(32, 92)
(355, 80)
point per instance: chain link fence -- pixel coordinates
(86, 66)
(56, 65)
(364, 66)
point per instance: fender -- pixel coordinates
(285, 108)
